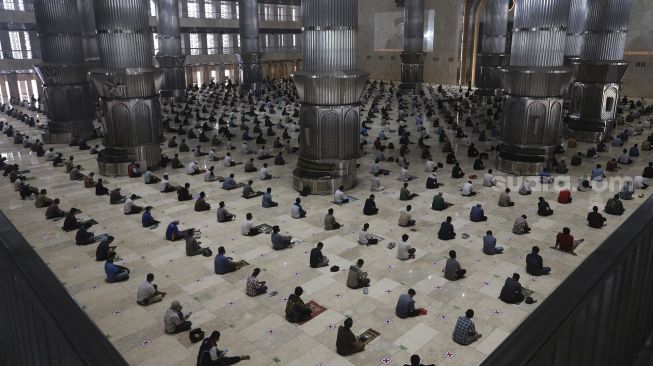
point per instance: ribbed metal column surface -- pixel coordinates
(577, 24)
(330, 87)
(534, 83)
(128, 85)
(89, 39)
(63, 71)
(493, 47)
(170, 58)
(599, 67)
(412, 58)
(249, 46)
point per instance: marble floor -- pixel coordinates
(256, 326)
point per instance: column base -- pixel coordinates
(520, 168)
(521, 161)
(114, 161)
(324, 178)
(62, 138)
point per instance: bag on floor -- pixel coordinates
(207, 252)
(196, 335)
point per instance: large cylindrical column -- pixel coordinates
(89, 39)
(534, 83)
(67, 92)
(128, 86)
(412, 58)
(493, 47)
(170, 58)
(330, 87)
(250, 57)
(599, 68)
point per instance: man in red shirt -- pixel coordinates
(565, 241)
(564, 196)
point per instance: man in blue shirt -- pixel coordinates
(597, 173)
(147, 218)
(280, 242)
(173, 233)
(406, 305)
(267, 199)
(114, 272)
(223, 264)
(477, 214)
(490, 244)
(229, 182)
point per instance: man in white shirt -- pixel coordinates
(228, 161)
(429, 166)
(129, 207)
(148, 293)
(376, 184)
(212, 156)
(209, 176)
(403, 174)
(191, 168)
(247, 227)
(244, 149)
(296, 211)
(49, 155)
(339, 197)
(264, 173)
(404, 250)
(488, 179)
(468, 189)
(365, 237)
(640, 182)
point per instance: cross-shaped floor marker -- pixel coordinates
(449, 354)
(386, 360)
(387, 321)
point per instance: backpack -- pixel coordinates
(207, 252)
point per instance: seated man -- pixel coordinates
(535, 264)
(577, 160)
(565, 241)
(405, 195)
(70, 223)
(488, 179)
(261, 154)
(53, 211)
(42, 199)
(561, 167)
(148, 292)
(597, 173)
(201, 204)
(477, 214)
(614, 206)
(278, 159)
(370, 207)
(648, 171)
(346, 341)
(405, 218)
(543, 207)
(403, 174)
(478, 164)
(150, 178)
(134, 170)
(356, 278)
(129, 208)
(267, 201)
(176, 163)
(432, 181)
(147, 220)
(584, 184)
(209, 175)
(89, 181)
(438, 203)
(280, 242)
(624, 158)
(490, 244)
(365, 238)
(521, 226)
(468, 189)
(174, 234)
(446, 231)
(248, 191)
(339, 196)
(612, 165)
(193, 247)
(375, 185)
(296, 310)
(404, 250)
(249, 166)
(330, 222)
(75, 173)
(264, 173)
(296, 211)
(223, 215)
(254, 287)
(511, 292)
(174, 320)
(247, 227)
(405, 307)
(228, 161)
(115, 273)
(115, 197)
(183, 147)
(564, 196)
(317, 259)
(457, 172)
(223, 264)
(193, 169)
(100, 189)
(452, 269)
(504, 199)
(640, 182)
(83, 236)
(595, 219)
(229, 182)
(627, 191)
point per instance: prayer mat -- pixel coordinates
(137, 197)
(89, 222)
(57, 219)
(101, 237)
(264, 228)
(240, 264)
(265, 158)
(369, 335)
(220, 178)
(526, 292)
(257, 194)
(317, 310)
(350, 198)
(409, 179)
(152, 227)
(238, 185)
(379, 238)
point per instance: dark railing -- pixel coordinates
(40, 323)
(601, 315)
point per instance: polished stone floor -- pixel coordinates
(256, 326)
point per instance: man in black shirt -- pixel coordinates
(535, 264)
(512, 290)
(209, 353)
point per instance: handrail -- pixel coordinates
(601, 314)
(41, 324)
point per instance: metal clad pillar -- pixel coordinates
(412, 58)
(534, 83)
(250, 56)
(330, 87)
(128, 85)
(493, 47)
(599, 68)
(170, 58)
(67, 92)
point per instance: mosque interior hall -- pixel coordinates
(326, 182)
